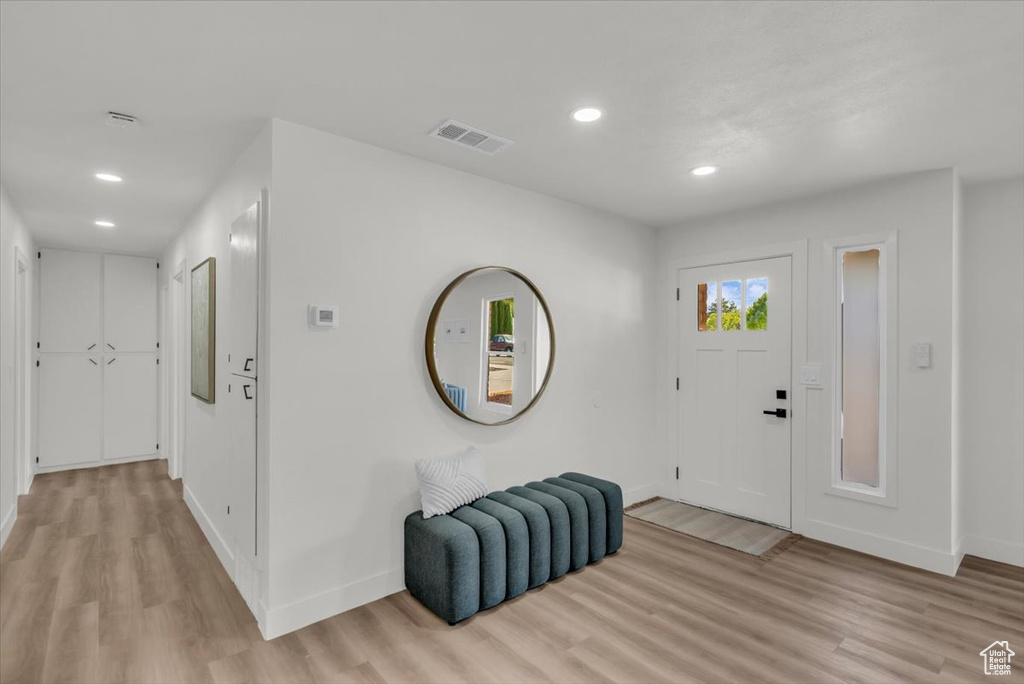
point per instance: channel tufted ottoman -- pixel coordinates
(507, 542)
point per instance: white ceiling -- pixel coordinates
(787, 98)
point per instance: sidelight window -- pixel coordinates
(863, 464)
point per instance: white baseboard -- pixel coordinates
(994, 549)
(638, 494)
(942, 562)
(278, 621)
(220, 547)
(8, 523)
(958, 554)
(98, 464)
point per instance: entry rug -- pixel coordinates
(756, 539)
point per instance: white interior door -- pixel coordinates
(130, 405)
(244, 292)
(242, 413)
(242, 357)
(70, 415)
(129, 303)
(69, 301)
(734, 367)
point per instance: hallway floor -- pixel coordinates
(107, 578)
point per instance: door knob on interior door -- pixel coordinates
(778, 413)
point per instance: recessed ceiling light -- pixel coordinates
(104, 224)
(703, 170)
(587, 114)
(109, 177)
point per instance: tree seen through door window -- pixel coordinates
(728, 313)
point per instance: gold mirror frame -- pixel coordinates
(432, 330)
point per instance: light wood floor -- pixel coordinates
(107, 578)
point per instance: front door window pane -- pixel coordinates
(707, 305)
(732, 294)
(757, 303)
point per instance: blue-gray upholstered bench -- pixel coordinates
(507, 542)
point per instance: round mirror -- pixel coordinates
(490, 345)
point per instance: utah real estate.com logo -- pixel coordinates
(997, 658)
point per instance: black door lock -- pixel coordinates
(778, 413)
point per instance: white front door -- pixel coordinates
(734, 374)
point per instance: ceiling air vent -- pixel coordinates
(467, 136)
(118, 120)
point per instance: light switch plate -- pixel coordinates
(923, 355)
(811, 376)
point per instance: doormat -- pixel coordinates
(747, 536)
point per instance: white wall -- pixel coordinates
(206, 475)
(921, 208)
(993, 370)
(14, 237)
(381, 234)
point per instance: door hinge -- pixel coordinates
(229, 238)
(229, 510)
(158, 362)
(677, 384)
(157, 345)
(158, 264)
(37, 345)
(677, 472)
(39, 255)
(158, 447)
(37, 364)
(37, 459)
(677, 294)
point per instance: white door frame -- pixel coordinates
(22, 416)
(797, 250)
(176, 378)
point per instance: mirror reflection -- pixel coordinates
(490, 345)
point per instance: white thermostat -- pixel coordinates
(323, 316)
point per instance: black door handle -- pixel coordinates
(111, 360)
(245, 391)
(246, 366)
(111, 346)
(778, 413)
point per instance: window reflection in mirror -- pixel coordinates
(499, 355)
